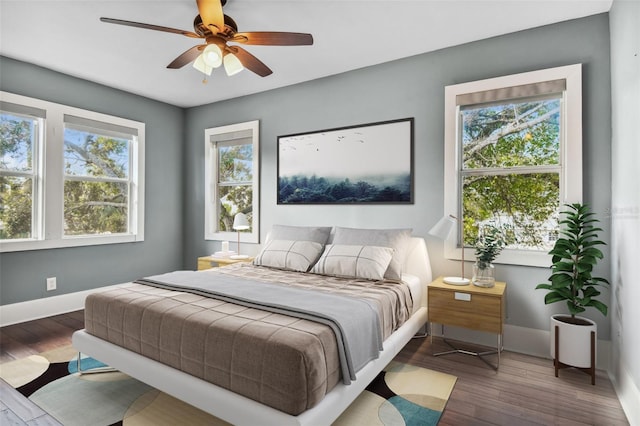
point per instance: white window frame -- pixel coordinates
(50, 212)
(211, 137)
(37, 169)
(570, 152)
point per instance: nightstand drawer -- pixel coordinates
(469, 310)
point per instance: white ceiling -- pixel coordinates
(67, 36)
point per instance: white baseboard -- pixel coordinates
(628, 393)
(41, 308)
(523, 340)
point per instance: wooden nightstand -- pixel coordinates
(475, 308)
(208, 262)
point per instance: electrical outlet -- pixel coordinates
(51, 284)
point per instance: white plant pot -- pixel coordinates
(574, 341)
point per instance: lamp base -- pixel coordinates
(456, 280)
(239, 256)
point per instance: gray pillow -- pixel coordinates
(350, 261)
(319, 234)
(397, 239)
(290, 255)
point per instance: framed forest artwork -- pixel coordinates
(368, 163)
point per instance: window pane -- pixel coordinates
(511, 135)
(16, 207)
(91, 154)
(16, 141)
(234, 199)
(529, 203)
(235, 163)
(95, 207)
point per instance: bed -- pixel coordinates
(179, 378)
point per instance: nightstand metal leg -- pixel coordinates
(481, 355)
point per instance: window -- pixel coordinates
(70, 177)
(513, 158)
(97, 182)
(232, 180)
(20, 177)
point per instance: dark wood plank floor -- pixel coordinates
(523, 392)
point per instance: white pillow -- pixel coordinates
(319, 234)
(351, 261)
(397, 239)
(289, 255)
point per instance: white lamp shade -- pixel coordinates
(443, 228)
(201, 66)
(240, 222)
(212, 56)
(232, 64)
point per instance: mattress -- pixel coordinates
(284, 362)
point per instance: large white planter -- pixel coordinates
(574, 341)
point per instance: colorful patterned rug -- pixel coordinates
(400, 395)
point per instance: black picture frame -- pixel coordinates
(361, 164)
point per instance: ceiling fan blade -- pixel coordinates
(150, 27)
(188, 56)
(211, 13)
(273, 38)
(250, 62)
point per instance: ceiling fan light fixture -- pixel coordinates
(217, 29)
(212, 55)
(201, 65)
(232, 64)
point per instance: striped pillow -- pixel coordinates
(354, 261)
(289, 255)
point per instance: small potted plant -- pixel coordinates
(488, 245)
(575, 253)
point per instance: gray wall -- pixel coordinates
(414, 87)
(625, 76)
(23, 274)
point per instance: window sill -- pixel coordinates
(27, 245)
(508, 257)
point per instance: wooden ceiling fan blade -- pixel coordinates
(150, 27)
(211, 13)
(188, 56)
(273, 38)
(250, 62)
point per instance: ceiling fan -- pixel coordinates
(218, 29)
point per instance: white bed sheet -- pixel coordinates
(416, 289)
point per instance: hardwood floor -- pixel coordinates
(523, 392)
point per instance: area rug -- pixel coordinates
(400, 395)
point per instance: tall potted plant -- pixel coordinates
(574, 255)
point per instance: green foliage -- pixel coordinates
(95, 207)
(490, 242)
(16, 134)
(575, 254)
(235, 190)
(95, 192)
(15, 207)
(304, 190)
(497, 141)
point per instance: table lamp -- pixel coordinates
(442, 230)
(240, 223)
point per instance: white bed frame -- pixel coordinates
(240, 410)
